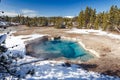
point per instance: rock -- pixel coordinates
(66, 64)
(57, 37)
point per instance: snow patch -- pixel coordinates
(95, 32)
(53, 70)
(30, 37)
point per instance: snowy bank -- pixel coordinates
(95, 32)
(54, 70)
(57, 70)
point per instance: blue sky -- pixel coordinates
(53, 7)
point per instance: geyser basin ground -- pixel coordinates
(60, 48)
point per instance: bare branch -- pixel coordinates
(117, 29)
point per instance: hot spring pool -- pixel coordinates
(61, 48)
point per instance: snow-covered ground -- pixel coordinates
(49, 70)
(96, 32)
(53, 70)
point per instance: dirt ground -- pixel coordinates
(106, 47)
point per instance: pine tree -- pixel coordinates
(111, 18)
(92, 18)
(116, 16)
(96, 24)
(105, 21)
(81, 19)
(87, 17)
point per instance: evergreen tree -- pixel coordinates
(105, 21)
(92, 18)
(96, 24)
(81, 19)
(59, 22)
(112, 19)
(87, 17)
(116, 16)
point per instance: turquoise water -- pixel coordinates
(61, 48)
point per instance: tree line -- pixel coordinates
(109, 20)
(88, 18)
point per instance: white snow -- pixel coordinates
(95, 32)
(69, 16)
(29, 37)
(47, 70)
(79, 31)
(50, 70)
(2, 38)
(53, 70)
